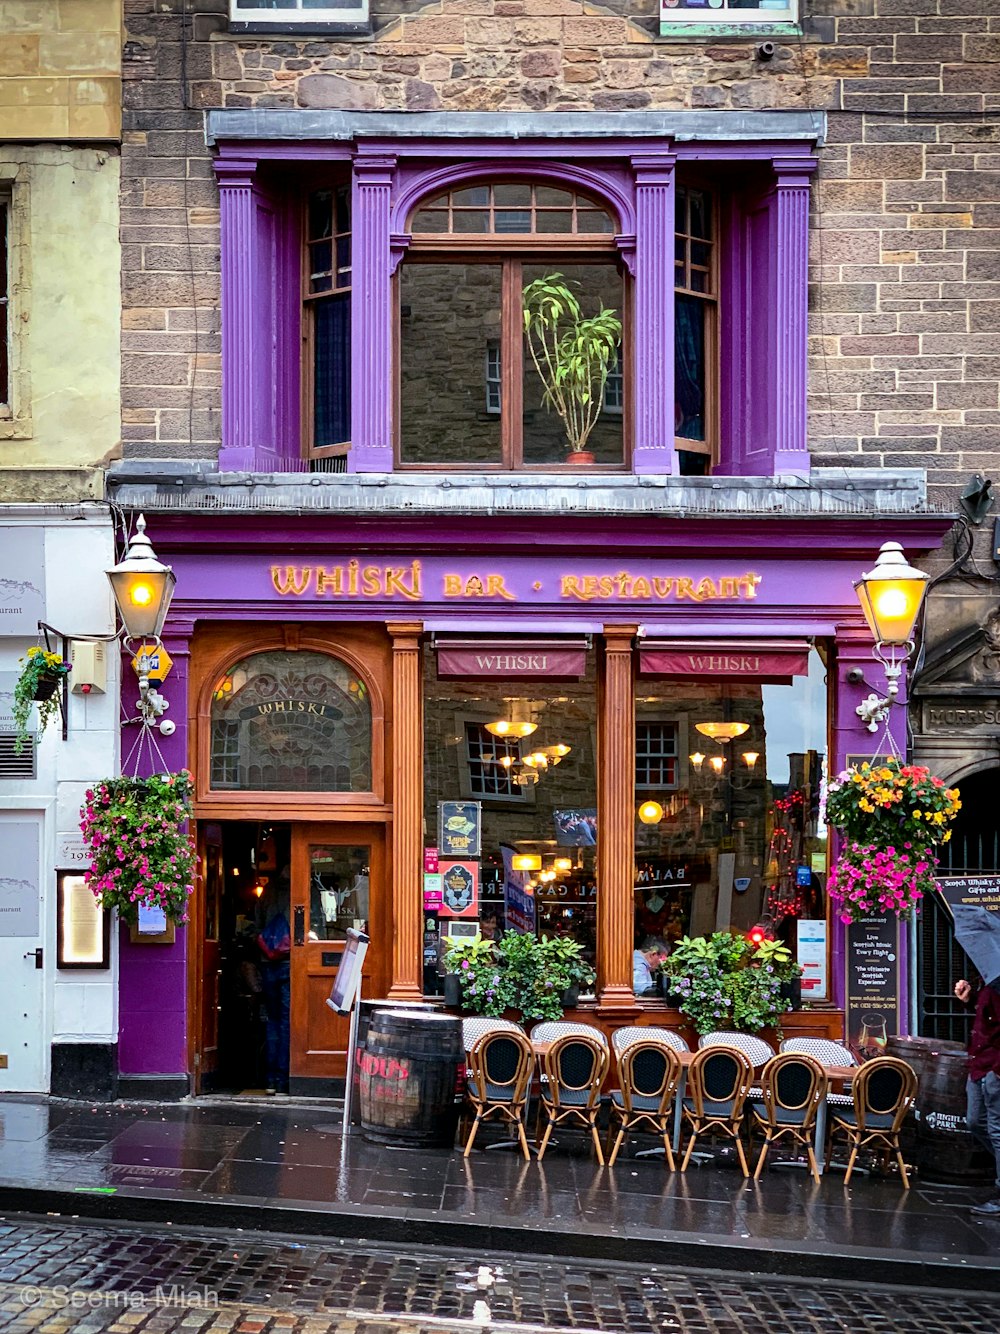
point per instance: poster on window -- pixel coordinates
(19, 879)
(459, 889)
(458, 828)
(22, 595)
(811, 953)
(872, 985)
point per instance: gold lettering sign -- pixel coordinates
(352, 579)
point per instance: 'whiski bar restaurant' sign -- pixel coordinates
(415, 581)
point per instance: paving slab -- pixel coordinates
(277, 1166)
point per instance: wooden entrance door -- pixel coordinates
(338, 882)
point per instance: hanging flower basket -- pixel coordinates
(141, 851)
(39, 682)
(893, 816)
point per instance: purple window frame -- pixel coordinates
(764, 274)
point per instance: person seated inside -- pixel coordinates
(646, 961)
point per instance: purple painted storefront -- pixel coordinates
(751, 581)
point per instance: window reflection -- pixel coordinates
(727, 827)
(540, 809)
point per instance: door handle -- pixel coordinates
(300, 925)
(38, 957)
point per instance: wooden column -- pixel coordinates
(407, 806)
(616, 824)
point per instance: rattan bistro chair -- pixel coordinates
(793, 1086)
(622, 1038)
(757, 1051)
(575, 1066)
(475, 1026)
(648, 1074)
(718, 1081)
(883, 1091)
(501, 1063)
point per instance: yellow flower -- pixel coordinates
(917, 815)
(947, 836)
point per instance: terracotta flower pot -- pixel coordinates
(581, 458)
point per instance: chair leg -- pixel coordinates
(763, 1155)
(613, 1152)
(668, 1151)
(690, 1147)
(523, 1138)
(813, 1165)
(902, 1168)
(543, 1143)
(596, 1136)
(850, 1162)
(742, 1155)
(472, 1136)
(611, 1131)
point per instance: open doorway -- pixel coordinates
(247, 948)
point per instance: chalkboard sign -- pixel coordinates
(872, 985)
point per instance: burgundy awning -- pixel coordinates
(773, 661)
(498, 657)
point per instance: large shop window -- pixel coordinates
(728, 832)
(538, 796)
(475, 389)
(291, 722)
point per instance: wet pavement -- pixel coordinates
(287, 1167)
(58, 1278)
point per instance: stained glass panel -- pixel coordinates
(291, 722)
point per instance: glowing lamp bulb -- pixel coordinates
(718, 763)
(258, 890)
(750, 758)
(141, 594)
(563, 864)
(757, 936)
(697, 759)
(891, 602)
(650, 812)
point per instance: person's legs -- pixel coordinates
(276, 985)
(984, 1124)
(284, 1003)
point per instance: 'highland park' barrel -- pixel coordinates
(944, 1149)
(412, 1073)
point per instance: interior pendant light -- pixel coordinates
(722, 731)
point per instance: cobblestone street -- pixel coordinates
(56, 1278)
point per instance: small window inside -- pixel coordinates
(327, 301)
(695, 323)
(279, 14)
(726, 13)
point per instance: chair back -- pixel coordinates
(821, 1049)
(574, 1064)
(501, 1063)
(648, 1068)
(622, 1038)
(552, 1029)
(719, 1074)
(793, 1083)
(757, 1050)
(884, 1086)
(476, 1025)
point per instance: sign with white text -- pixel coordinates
(811, 956)
(22, 580)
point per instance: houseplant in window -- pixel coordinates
(142, 854)
(39, 682)
(573, 355)
(892, 816)
(725, 981)
(518, 973)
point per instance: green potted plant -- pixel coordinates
(726, 981)
(141, 851)
(573, 355)
(562, 959)
(39, 682)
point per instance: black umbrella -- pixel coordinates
(977, 930)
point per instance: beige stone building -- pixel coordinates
(60, 409)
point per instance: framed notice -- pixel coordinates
(459, 824)
(459, 889)
(811, 956)
(83, 928)
(872, 985)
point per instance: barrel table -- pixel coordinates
(412, 1077)
(944, 1150)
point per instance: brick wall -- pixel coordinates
(905, 353)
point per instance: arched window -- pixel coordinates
(513, 342)
(291, 722)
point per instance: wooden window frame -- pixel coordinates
(712, 298)
(309, 302)
(510, 251)
(644, 757)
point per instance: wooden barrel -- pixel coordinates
(412, 1073)
(944, 1149)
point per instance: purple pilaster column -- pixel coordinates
(152, 979)
(371, 316)
(653, 318)
(791, 205)
(241, 380)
